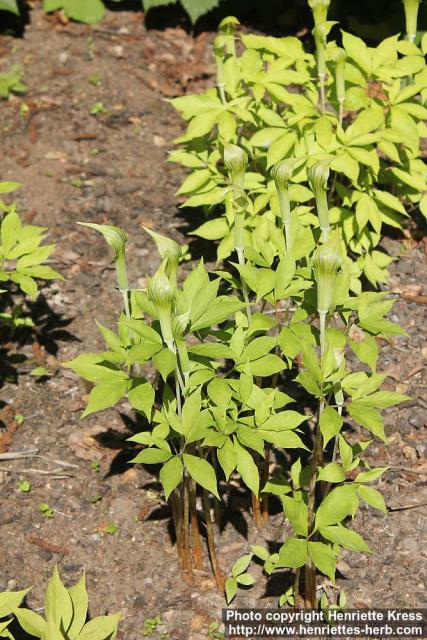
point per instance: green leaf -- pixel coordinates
(296, 512)
(26, 283)
(413, 181)
(332, 472)
(367, 211)
(369, 418)
(58, 604)
(260, 552)
(34, 257)
(31, 622)
(323, 558)
(245, 579)
(230, 589)
(284, 439)
(338, 504)
(370, 476)
(52, 631)
(141, 396)
(10, 600)
(366, 350)
(389, 200)
(202, 472)
(227, 457)
(257, 348)
(224, 307)
(382, 399)
(283, 421)
(346, 453)
(266, 365)
(211, 350)
(171, 475)
(105, 395)
(191, 411)
(212, 229)
(293, 553)
(345, 538)
(95, 368)
(11, 228)
(111, 339)
(357, 50)
(151, 4)
(330, 424)
(194, 181)
(151, 456)
(8, 187)
(165, 362)
(197, 8)
(241, 565)
(247, 468)
(101, 628)
(39, 372)
(372, 497)
(88, 11)
(246, 385)
(79, 599)
(52, 5)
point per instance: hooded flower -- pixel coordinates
(117, 239)
(236, 162)
(161, 292)
(318, 175)
(328, 260)
(169, 251)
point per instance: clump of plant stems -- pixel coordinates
(212, 360)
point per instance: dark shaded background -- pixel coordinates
(371, 19)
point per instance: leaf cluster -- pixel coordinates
(268, 101)
(213, 361)
(65, 614)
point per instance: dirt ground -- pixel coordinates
(112, 168)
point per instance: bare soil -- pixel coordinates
(112, 168)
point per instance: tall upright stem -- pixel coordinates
(185, 523)
(125, 296)
(245, 290)
(298, 602)
(322, 319)
(264, 480)
(177, 523)
(341, 111)
(322, 92)
(219, 578)
(310, 569)
(195, 533)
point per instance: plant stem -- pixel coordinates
(287, 226)
(322, 319)
(178, 396)
(322, 92)
(177, 523)
(310, 569)
(222, 92)
(219, 578)
(185, 523)
(125, 296)
(256, 511)
(245, 291)
(341, 111)
(339, 401)
(217, 503)
(297, 596)
(264, 480)
(195, 533)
